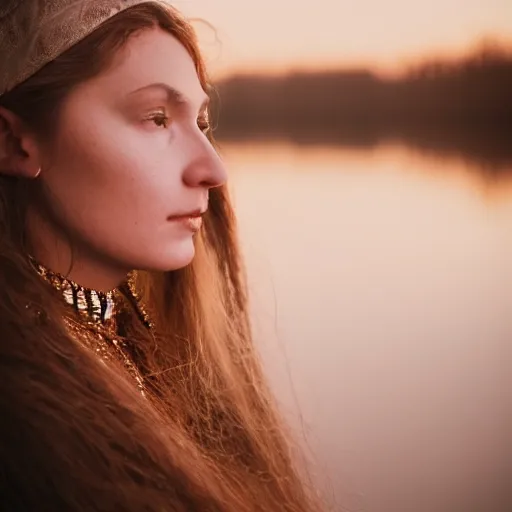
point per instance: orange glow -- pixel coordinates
(275, 35)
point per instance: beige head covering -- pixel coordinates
(34, 32)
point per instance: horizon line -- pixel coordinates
(497, 44)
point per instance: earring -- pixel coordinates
(37, 173)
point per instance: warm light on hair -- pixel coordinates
(210, 437)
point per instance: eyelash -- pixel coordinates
(160, 117)
(204, 124)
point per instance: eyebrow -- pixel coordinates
(174, 96)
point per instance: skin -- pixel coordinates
(129, 158)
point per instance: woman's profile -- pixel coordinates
(130, 380)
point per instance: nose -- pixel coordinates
(205, 169)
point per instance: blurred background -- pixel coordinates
(370, 151)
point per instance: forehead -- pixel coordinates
(152, 56)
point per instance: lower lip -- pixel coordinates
(193, 223)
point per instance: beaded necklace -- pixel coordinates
(92, 318)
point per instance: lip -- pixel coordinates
(192, 220)
(187, 215)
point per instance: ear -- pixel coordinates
(19, 153)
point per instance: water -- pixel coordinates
(381, 285)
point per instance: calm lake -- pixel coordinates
(381, 284)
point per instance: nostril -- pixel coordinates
(205, 173)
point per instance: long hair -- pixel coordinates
(209, 436)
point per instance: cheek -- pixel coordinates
(113, 176)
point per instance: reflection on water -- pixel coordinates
(382, 278)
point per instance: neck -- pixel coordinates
(51, 249)
(84, 274)
(96, 306)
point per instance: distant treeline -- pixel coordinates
(469, 100)
(477, 89)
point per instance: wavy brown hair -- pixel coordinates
(82, 437)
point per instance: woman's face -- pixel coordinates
(129, 170)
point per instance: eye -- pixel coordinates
(160, 119)
(203, 124)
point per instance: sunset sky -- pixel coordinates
(272, 35)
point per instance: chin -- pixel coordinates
(174, 256)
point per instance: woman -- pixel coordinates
(123, 389)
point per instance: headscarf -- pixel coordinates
(35, 32)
